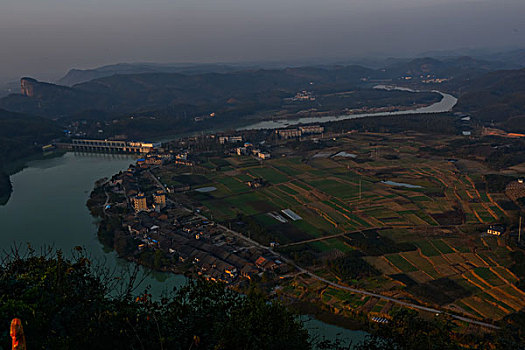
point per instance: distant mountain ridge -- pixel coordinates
(77, 76)
(251, 89)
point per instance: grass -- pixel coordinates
(244, 203)
(338, 244)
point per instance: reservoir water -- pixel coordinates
(48, 208)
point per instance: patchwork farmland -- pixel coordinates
(416, 222)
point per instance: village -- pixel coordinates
(156, 223)
(187, 240)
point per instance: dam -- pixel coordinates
(109, 146)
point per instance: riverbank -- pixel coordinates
(13, 167)
(5, 187)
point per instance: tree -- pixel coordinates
(66, 304)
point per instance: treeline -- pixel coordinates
(351, 266)
(439, 123)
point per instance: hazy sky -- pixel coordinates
(42, 37)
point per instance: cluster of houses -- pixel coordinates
(203, 247)
(153, 159)
(256, 183)
(200, 245)
(250, 149)
(140, 201)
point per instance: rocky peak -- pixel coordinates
(27, 86)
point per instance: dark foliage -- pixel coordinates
(372, 243)
(431, 124)
(5, 187)
(518, 267)
(497, 96)
(408, 331)
(441, 291)
(65, 304)
(22, 135)
(351, 266)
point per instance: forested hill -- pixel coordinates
(21, 134)
(141, 92)
(497, 96)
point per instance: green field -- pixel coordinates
(442, 246)
(401, 263)
(427, 248)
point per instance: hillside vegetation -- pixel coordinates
(21, 136)
(497, 96)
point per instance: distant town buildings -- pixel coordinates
(154, 159)
(311, 129)
(248, 149)
(230, 139)
(288, 133)
(304, 96)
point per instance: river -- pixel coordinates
(446, 104)
(48, 208)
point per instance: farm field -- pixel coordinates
(404, 216)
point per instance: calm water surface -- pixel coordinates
(48, 208)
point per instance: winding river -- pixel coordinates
(48, 208)
(446, 104)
